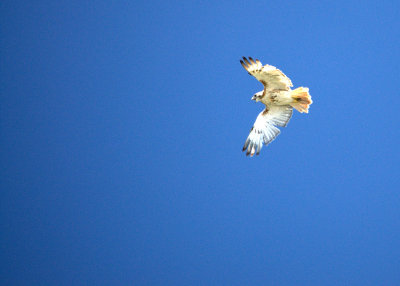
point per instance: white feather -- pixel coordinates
(264, 131)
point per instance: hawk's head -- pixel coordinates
(257, 96)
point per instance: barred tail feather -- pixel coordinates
(301, 99)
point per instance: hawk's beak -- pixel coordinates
(253, 98)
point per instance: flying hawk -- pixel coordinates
(279, 102)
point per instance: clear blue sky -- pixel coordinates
(121, 130)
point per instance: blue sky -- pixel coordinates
(121, 131)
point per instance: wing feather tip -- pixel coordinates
(244, 66)
(247, 61)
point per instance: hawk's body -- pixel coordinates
(279, 100)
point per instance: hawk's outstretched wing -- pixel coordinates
(271, 77)
(263, 130)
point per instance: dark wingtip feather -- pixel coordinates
(244, 65)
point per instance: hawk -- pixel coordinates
(279, 102)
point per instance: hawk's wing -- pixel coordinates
(263, 130)
(271, 77)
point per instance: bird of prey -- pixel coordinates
(279, 102)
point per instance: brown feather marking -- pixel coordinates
(265, 88)
(252, 61)
(303, 100)
(265, 111)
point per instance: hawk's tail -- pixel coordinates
(301, 99)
